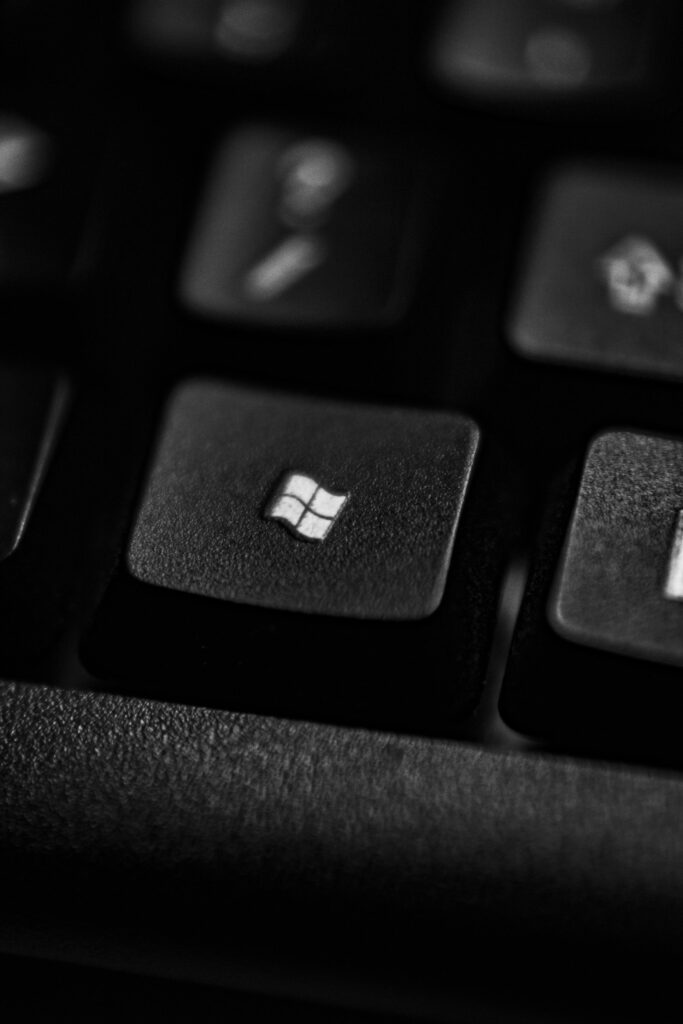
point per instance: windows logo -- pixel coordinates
(304, 507)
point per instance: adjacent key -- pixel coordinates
(547, 49)
(359, 58)
(599, 665)
(603, 282)
(304, 557)
(304, 230)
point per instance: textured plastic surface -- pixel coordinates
(230, 806)
(610, 590)
(564, 312)
(31, 404)
(202, 527)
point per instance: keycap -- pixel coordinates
(602, 285)
(42, 189)
(31, 409)
(245, 31)
(540, 49)
(309, 542)
(303, 229)
(311, 50)
(620, 585)
(600, 640)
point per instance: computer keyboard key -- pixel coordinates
(303, 230)
(31, 408)
(598, 651)
(42, 189)
(378, 492)
(620, 584)
(244, 31)
(603, 281)
(288, 534)
(545, 49)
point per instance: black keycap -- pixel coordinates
(595, 656)
(620, 585)
(323, 533)
(603, 283)
(539, 49)
(312, 49)
(42, 189)
(31, 407)
(245, 31)
(303, 230)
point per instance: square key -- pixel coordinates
(536, 49)
(303, 229)
(301, 504)
(620, 584)
(603, 282)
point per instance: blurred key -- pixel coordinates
(603, 281)
(539, 49)
(304, 230)
(25, 155)
(245, 31)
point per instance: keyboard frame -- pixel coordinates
(248, 851)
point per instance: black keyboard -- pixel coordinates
(341, 509)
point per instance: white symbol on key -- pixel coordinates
(314, 174)
(673, 587)
(293, 259)
(636, 275)
(304, 507)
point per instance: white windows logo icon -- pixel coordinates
(304, 507)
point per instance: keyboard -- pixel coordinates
(341, 509)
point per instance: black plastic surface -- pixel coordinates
(436, 879)
(31, 405)
(178, 840)
(272, 244)
(203, 525)
(565, 311)
(611, 584)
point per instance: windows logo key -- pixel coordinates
(304, 507)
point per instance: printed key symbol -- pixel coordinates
(314, 173)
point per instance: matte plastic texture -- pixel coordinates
(348, 264)
(610, 590)
(204, 526)
(161, 837)
(564, 311)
